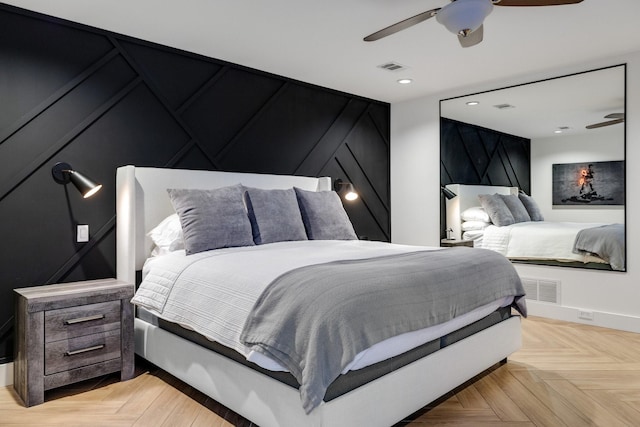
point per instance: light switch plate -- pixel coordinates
(82, 234)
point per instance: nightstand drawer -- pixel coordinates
(81, 351)
(81, 320)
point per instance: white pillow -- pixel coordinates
(476, 213)
(474, 225)
(167, 236)
(473, 235)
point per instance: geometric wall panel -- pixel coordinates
(99, 100)
(475, 155)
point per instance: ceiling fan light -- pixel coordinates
(464, 16)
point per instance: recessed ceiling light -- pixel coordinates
(405, 81)
(472, 103)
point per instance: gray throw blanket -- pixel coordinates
(314, 320)
(606, 241)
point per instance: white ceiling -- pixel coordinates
(320, 42)
(539, 108)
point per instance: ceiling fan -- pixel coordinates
(462, 17)
(615, 119)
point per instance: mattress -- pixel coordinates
(350, 380)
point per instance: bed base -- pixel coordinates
(383, 402)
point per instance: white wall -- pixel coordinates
(6, 374)
(614, 297)
(591, 146)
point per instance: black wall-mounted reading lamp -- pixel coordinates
(447, 193)
(348, 191)
(63, 174)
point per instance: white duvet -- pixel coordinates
(538, 240)
(220, 288)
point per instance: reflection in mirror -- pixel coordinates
(538, 139)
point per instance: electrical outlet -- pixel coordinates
(82, 234)
(585, 315)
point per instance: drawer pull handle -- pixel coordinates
(84, 319)
(84, 350)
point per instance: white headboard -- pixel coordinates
(142, 202)
(467, 197)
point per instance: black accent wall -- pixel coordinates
(474, 155)
(98, 100)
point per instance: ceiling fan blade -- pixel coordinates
(534, 2)
(402, 25)
(614, 116)
(602, 124)
(473, 38)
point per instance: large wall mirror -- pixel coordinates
(561, 142)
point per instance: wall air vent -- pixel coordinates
(548, 291)
(543, 290)
(392, 66)
(504, 106)
(530, 288)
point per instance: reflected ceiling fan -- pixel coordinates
(462, 17)
(615, 119)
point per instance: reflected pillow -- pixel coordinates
(496, 208)
(324, 216)
(473, 235)
(274, 215)
(212, 219)
(475, 213)
(474, 225)
(516, 207)
(532, 207)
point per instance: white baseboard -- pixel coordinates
(6, 374)
(570, 314)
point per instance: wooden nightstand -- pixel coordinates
(455, 242)
(71, 332)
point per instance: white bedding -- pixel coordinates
(219, 304)
(538, 240)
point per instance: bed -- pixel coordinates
(530, 238)
(257, 393)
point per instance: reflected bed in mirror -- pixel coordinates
(513, 137)
(511, 223)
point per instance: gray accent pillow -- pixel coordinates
(516, 207)
(324, 216)
(212, 219)
(531, 206)
(496, 208)
(274, 215)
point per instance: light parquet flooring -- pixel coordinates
(566, 374)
